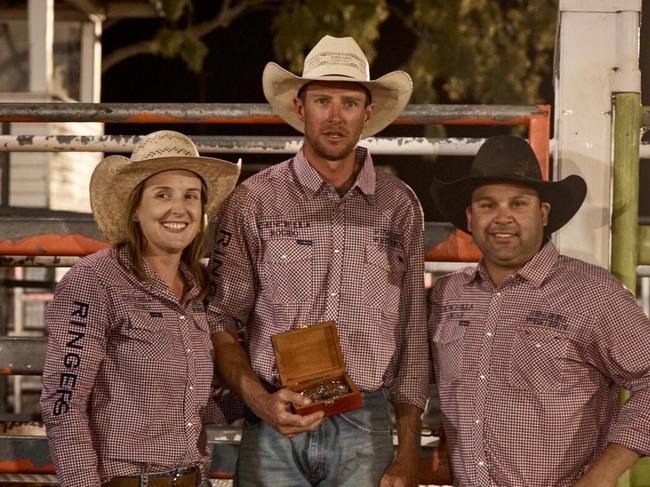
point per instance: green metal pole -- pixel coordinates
(625, 201)
(625, 204)
(643, 245)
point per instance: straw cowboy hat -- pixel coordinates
(337, 59)
(509, 159)
(116, 176)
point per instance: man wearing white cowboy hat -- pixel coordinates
(324, 236)
(531, 348)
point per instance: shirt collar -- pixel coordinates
(156, 284)
(535, 271)
(311, 181)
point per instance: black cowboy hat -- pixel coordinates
(509, 159)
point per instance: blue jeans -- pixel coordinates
(352, 449)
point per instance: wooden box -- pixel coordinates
(311, 356)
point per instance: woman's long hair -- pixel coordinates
(134, 241)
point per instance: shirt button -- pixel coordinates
(333, 294)
(477, 421)
(188, 350)
(481, 463)
(336, 251)
(181, 317)
(499, 294)
(482, 377)
(489, 333)
(189, 425)
(191, 388)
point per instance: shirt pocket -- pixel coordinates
(449, 342)
(147, 336)
(382, 280)
(290, 267)
(538, 359)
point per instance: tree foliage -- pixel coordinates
(487, 51)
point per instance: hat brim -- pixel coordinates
(116, 176)
(565, 197)
(390, 94)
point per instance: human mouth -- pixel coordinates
(175, 226)
(503, 236)
(334, 134)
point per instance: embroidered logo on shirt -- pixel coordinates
(72, 359)
(156, 314)
(303, 242)
(456, 311)
(386, 237)
(283, 228)
(543, 318)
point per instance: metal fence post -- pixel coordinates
(625, 204)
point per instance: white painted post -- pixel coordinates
(596, 55)
(40, 17)
(91, 61)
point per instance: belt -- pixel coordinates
(180, 477)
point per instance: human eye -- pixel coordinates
(350, 103)
(162, 194)
(192, 195)
(485, 205)
(519, 203)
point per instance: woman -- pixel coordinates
(129, 362)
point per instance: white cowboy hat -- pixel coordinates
(116, 176)
(337, 59)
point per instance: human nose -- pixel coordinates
(178, 205)
(335, 111)
(504, 214)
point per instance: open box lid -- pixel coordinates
(308, 353)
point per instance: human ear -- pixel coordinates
(300, 108)
(546, 210)
(468, 216)
(368, 115)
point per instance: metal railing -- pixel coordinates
(30, 237)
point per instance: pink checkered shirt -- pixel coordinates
(529, 372)
(127, 374)
(290, 251)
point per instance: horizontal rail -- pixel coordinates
(22, 355)
(239, 144)
(248, 113)
(30, 237)
(32, 233)
(21, 454)
(37, 261)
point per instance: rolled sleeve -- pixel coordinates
(621, 345)
(411, 364)
(233, 279)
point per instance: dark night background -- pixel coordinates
(232, 74)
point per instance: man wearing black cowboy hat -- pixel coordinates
(531, 348)
(325, 236)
